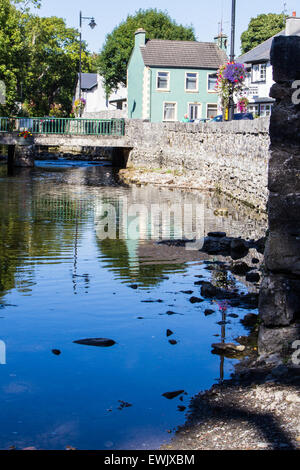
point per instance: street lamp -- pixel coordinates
(232, 56)
(92, 25)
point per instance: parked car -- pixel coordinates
(237, 117)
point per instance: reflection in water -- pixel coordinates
(130, 290)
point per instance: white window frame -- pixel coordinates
(211, 104)
(196, 104)
(267, 109)
(196, 90)
(253, 108)
(168, 87)
(208, 90)
(163, 110)
(256, 75)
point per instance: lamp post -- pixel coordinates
(232, 56)
(92, 25)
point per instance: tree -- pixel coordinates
(12, 31)
(260, 29)
(53, 63)
(114, 57)
(25, 5)
(39, 60)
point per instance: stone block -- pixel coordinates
(277, 340)
(279, 301)
(284, 171)
(285, 58)
(282, 253)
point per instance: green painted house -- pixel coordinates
(167, 80)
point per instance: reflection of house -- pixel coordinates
(260, 73)
(92, 90)
(168, 79)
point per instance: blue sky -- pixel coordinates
(204, 15)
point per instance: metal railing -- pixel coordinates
(64, 126)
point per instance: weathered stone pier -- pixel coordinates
(280, 292)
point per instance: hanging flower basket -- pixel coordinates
(230, 82)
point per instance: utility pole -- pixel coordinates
(232, 56)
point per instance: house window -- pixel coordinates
(253, 108)
(212, 111)
(212, 81)
(259, 73)
(265, 110)
(191, 81)
(194, 111)
(163, 79)
(263, 72)
(169, 111)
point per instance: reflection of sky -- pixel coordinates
(52, 401)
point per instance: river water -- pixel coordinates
(62, 281)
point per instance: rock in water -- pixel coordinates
(103, 342)
(169, 333)
(250, 319)
(228, 347)
(196, 300)
(171, 395)
(56, 352)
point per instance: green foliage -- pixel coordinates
(114, 58)
(39, 60)
(260, 29)
(25, 5)
(11, 51)
(53, 62)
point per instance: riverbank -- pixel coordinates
(258, 409)
(181, 179)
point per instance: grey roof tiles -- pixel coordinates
(182, 54)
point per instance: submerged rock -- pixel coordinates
(210, 291)
(195, 300)
(56, 352)
(240, 269)
(250, 319)
(181, 408)
(171, 395)
(169, 333)
(102, 342)
(208, 312)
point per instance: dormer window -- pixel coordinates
(259, 73)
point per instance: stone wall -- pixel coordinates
(280, 292)
(231, 157)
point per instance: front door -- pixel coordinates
(194, 111)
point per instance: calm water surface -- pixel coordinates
(60, 282)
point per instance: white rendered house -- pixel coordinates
(92, 90)
(260, 71)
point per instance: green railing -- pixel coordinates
(64, 126)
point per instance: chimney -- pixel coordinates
(140, 37)
(292, 25)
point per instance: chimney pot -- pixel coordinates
(294, 14)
